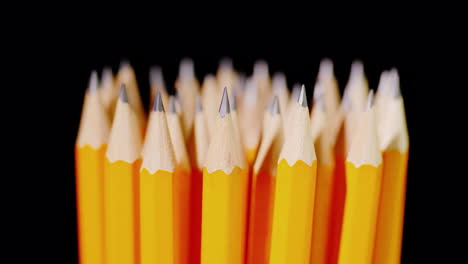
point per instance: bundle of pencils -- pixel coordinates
(238, 170)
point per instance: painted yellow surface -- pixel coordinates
(90, 194)
(121, 211)
(360, 213)
(224, 205)
(392, 207)
(157, 218)
(293, 213)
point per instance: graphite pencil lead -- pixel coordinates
(303, 97)
(198, 106)
(158, 104)
(396, 83)
(370, 99)
(93, 82)
(275, 109)
(123, 93)
(326, 67)
(295, 92)
(234, 100)
(225, 63)
(156, 75)
(224, 107)
(172, 104)
(124, 63)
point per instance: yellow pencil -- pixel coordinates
(121, 185)
(394, 143)
(295, 191)
(363, 180)
(224, 195)
(157, 190)
(90, 148)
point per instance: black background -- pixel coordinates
(297, 54)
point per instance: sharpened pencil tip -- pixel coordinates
(172, 104)
(303, 97)
(233, 100)
(224, 107)
(295, 92)
(123, 93)
(275, 108)
(93, 82)
(158, 104)
(370, 99)
(198, 106)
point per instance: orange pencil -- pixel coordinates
(201, 147)
(181, 185)
(90, 148)
(121, 174)
(263, 186)
(394, 143)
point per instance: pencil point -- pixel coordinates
(225, 63)
(158, 104)
(93, 82)
(396, 83)
(198, 106)
(346, 100)
(233, 100)
(172, 104)
(156, 75)
(224, 107)
(370, 99)
(303, 97)
(123, 93)
(124, 63)
(275, 109)
(295, 92)
(326, 67)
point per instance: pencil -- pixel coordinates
(108, 92)
(339, 181)
(187, 87)
(210, 95)
(280, 89)
(363, 180)
(157, 84)
(357, 86)
(121, 173)
(295, 191)
(90, 148)
(224, 195)
(250, 114)
(394, 143)
(126, 75)
(263, 186)
(323, 142)
(181, 182)
(201, 148)
(157, 190)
